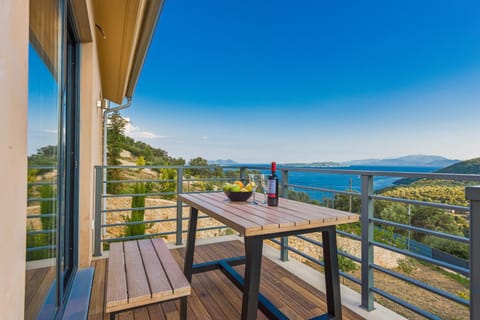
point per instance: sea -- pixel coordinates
(344, 182)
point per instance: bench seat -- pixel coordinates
(142, 272)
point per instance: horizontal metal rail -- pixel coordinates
(139, 208)
(42, 215)
(159, 234)
(108, 225)
(152, 194)
(318, 262)
(422, 257)
(405, 304)
(140, 180)
(322, 189)
(423, 203)
(42, 248)
(41, 199)
(422, 230)
(421, 284)
(349, 235)
(36, 232)
(42, 183)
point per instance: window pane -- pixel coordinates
(44, 91)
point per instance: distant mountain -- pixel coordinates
(411, 160)
(222, 162)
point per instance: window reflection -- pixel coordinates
(44, 85)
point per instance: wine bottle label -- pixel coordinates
(272, 188)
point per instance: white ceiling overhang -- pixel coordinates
(124, 29)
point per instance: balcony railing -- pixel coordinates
(176, 179)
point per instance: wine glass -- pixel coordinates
(254, 181)
(264, 182)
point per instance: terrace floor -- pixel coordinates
(215, 297)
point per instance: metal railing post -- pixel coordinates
(97, 243)
(473, 195)
(284, 194)
(179, 207)
(243, 176)
(367, 238)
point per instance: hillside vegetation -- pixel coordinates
(471, 166)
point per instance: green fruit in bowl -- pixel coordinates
(235, 188)
(227, 187)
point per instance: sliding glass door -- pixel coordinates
(52, 159)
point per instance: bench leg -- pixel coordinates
(183, 308)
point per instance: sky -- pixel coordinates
(311, 80)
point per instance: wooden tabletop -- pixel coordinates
(250, 220)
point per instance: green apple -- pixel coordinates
(235, 188)
(227, 187)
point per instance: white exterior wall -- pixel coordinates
(13, 154)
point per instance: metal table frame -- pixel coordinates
(250, 285)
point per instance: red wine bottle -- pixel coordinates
(272, 199)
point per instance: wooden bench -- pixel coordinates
(142, 272)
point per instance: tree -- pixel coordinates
(342, 202)
(433, 219)
(198, 172)
(138, 201)
(115, 138)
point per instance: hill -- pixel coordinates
(410, 160)
(471, 166)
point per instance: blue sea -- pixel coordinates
(346, 182)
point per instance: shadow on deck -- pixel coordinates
(215, 297)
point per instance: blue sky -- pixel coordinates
(304, 81)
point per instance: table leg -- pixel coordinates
(332, 277)
(188, 263)
(253, 264)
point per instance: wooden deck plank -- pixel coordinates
(127, 315)
(33, 279)
(155, 311)
(171, 310)
(159, 282)
(137, 283)
(116, 289)
(98, 287)
(277, 284)
(178, 282)
(141, 314)
(40, 285)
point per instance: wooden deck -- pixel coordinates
(38, 283)
(215, 297)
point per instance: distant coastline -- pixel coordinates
(429, 161)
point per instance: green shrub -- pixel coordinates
(138, 201)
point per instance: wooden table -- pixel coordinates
(259, 222)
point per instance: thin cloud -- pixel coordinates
(135, 132)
